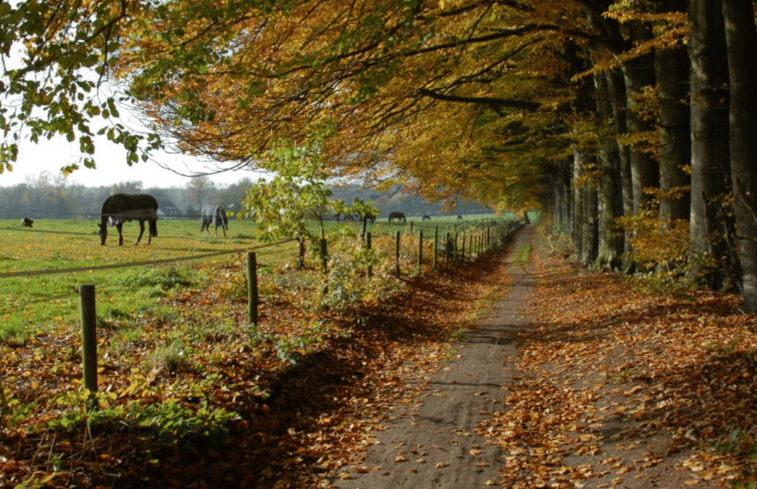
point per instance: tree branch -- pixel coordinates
(492, 101)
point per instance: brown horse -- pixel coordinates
(120, 208)
(397, 216)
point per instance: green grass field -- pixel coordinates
(41, 268)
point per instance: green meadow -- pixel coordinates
(42, 268)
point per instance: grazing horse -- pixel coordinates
(397, 215)
(120, 208)
(27, 222)
(426, 217)
(215, 215)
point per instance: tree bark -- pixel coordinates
(639, 73)
(672, 74)
(710, 167)
(610, 204)
(741, 40)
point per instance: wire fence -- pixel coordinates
(58, 271)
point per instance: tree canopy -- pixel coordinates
(582, 106)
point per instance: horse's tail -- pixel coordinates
(153, 228)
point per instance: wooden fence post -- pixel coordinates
(324, 255)
(436, 245)
(446, 249)
(462, 249)
(455, 257)
(369, 271)
(420, 250)
(89, 340)
(397, 253)
(252, 290)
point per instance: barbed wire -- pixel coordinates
(59, 271)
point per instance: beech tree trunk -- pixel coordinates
(741, 39)
(639, 73)
(672, 74)
(610, 195)
(710, 166)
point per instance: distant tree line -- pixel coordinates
(48, 197)
(52, 197)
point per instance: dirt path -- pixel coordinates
(433, 444)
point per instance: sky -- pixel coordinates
(50, 156)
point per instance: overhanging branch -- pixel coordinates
(494, 102)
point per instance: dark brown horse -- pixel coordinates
(397, 216)
(121, 208)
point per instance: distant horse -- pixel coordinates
(426, 217)
(121, 208)
(215, 215)
(397, 215)
(27, 222)
(459, 217)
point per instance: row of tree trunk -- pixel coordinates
(703, 170)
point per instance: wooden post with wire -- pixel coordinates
(368, 245)
(252, 290)
(397, 253)
(89, 341)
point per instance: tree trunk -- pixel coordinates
(610, 204)
(639, 73)
(590, 237)
(578, 204)
(710, 167)
(557, 200)
(741, 39)
(672, 74)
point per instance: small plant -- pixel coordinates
(170, 423)
(13, 333)
(158, 280)
(12, 411)
(170, 358)
(623, 376)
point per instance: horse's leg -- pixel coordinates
(120, 226)
(141, 231)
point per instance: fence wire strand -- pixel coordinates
(58, 271)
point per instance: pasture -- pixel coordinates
(177, 359)
(41, 268)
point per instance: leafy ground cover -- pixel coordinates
(623, 388)
(615, 384)
(189, 394)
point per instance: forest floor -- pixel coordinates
(519, 370)
(573, 379)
